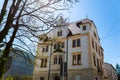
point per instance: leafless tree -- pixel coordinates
(22, 21)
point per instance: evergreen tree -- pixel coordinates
(118, 71)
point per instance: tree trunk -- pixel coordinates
(6, 53)
(12, 12)
(3, 11)
(9, 44)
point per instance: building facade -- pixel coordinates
(110, 71)
(76, 43)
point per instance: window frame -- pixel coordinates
(63, 45)
(93, 44)
(94, 60)
(43, 63)
(75, 59)
(59, 33)
(55, 59)
(84, 28)
(78, 59)
(60, 60)
(41, 78)
(76, 42)
(77, 77)
(47, 48)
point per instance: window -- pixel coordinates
(76, 43)
(41, 78)
(94, 60)
(58, 45)
(43, 63)
(77, 77)
(47, 48)
(93, 43)
(62, 45)
(98, 63)
(99, 51)
(55, 46)
(43, 50)
(55, 59)
(95, 35)
(84, 27)
(59, 33)
(96, 46)
(76, 60)
(60, 59)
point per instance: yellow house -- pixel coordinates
(76, 43)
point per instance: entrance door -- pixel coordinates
(57, 78)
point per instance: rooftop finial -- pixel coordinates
(86, 15)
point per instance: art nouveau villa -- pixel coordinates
(76, 43)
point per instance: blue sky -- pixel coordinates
(105, 14)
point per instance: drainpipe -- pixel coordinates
(49, 69)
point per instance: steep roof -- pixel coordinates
(73, 27)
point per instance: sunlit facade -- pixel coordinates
(84, 54)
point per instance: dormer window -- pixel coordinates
(59, 33)
(84, 27)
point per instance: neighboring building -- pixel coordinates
(110, 71)
(85, 54)
(19, 65)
